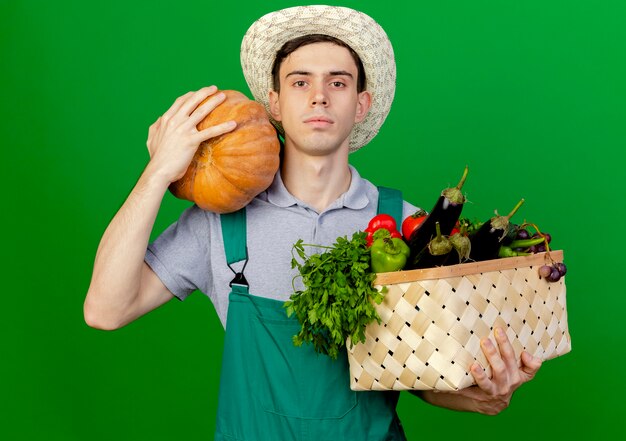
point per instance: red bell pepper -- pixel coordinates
(381, 221)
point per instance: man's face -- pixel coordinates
(318, 103)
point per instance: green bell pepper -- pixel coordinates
(389, 254)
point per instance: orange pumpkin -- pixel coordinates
(228, 171)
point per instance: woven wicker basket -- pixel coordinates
(433, 320)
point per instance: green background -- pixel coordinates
(530, 94)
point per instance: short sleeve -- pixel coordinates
(180, 256)
(408, 209)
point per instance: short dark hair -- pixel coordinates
(296, 43)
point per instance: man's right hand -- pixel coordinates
(123, 287)
(173, 139)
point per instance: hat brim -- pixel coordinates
(359, 31)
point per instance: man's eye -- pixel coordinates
(337, 84)
(299, 84)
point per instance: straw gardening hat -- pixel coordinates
(357, 30)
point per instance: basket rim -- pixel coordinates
(465, 269)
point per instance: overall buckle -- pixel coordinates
(239, 279)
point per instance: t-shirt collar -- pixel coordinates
(355, 198)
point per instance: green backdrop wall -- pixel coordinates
(529, 93)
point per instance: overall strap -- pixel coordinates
(234, 237)
(390, 202)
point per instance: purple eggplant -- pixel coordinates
(487, 240)
(446, 212)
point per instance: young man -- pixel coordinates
(327, 78)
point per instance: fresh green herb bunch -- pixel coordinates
(338, 297)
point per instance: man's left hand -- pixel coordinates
(490, 395)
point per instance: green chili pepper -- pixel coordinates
(389, 254)
(526, 243)
(506, 251)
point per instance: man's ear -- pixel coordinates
(363, 106)
(274, 105)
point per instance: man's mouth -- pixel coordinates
(318, 121)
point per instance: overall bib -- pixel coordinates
(271, 390)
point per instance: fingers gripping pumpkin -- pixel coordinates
(228, 171)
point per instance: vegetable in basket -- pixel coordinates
(412, 223)
(381, 221)
(518, 247)
(471, 226)
(338, 300)
(507, 251)
(462, 244)
(437, 251)
(388, 253)
(487, 240)
(446, 212)
(524, 245)
(539, 243)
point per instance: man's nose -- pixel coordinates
(319, 97)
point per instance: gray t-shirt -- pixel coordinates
(189, 255)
